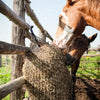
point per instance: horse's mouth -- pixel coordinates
(69, 60)
(59, 45)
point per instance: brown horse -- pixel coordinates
(75, 16)
(75, 49)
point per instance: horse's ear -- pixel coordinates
(92, 38)
(69, 2)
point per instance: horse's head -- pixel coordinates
(77, 47)
(71, 22)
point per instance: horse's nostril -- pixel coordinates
(69, 59)
(73, 59)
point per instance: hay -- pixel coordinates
(49, 80)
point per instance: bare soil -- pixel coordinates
(87, 89)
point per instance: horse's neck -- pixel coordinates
(91, 16)
(93, 22)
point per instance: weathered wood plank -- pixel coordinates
(5, 10)
(90, 55)
(31, 13)
(17, 38)
(97, 49)
(7, 48)
(7, 88)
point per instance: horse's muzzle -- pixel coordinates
(69, 59)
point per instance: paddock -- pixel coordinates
(44, 70)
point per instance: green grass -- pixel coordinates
(93, 72)
(7, 97)
(5, 77)
(5, 74)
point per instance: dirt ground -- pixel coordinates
(87, 89)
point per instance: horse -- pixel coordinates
(75, 49)
(75, 16)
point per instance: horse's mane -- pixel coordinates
(94, 8)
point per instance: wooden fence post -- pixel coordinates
(7, 59)
(17, 38)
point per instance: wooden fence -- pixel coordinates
(5, 60)
(84, 62)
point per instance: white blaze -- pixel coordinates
(67, 33)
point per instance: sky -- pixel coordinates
(47, 12)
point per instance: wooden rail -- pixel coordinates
(7, 88)
(5, 10)
(83, 62)
(97, 49)
(90, 55)
(88, 68)
(89, 61)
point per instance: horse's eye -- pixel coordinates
(81, 43)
